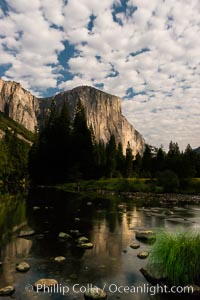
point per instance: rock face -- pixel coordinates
(18, 104)
(103, 112)
(104, 115)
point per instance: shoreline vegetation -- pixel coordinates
(130, 186)
(176, 257)
(174, 260)
(65, 153)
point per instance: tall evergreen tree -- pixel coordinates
(137, 165)
(83, 148)
(189, 163)
(160, 160)
(147, 161)
(99, 159)
(13, 160)
(63, 129)
(128, 161)
(111, 152)
(174, 159)
(120, 160)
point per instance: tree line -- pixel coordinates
(66, 150)
(14, 154)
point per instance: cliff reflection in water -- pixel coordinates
(12, 218)
(109, 224)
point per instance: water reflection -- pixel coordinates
(109, 224)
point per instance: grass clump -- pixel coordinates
(176, 256)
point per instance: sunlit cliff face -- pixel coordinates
(103, 111)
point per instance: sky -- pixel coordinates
(145, 51)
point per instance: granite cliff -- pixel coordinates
(18, 104)
(102, 109)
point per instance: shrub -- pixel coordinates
(176, 256)
(169, 181)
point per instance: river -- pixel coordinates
(109, 224)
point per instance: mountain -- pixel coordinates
(9, 124)
(103, 111)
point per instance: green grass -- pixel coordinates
(114, 184)
(6, 122)
(194, 185)
(176, 256)
(143, 185)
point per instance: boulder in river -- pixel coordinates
(82, 239)
(145, 235)
(7, 290)
(64, 236)
(26, 233)
(77, 219)
(143, 254)
(86, 245)
(135, 246)
(23, 267)
(74, 232)
(180, 220)
(60, 259)
(44, 283)
(95, 293)
(36, 208)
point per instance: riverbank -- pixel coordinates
(130, 186)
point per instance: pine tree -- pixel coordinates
(111, 153)
(99, 160)
(147, 161)
(63, 129)
(120, 160)
(128, 161)
(174, 159)
(83, 148)
(160, 160)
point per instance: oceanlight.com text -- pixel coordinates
(112, 288)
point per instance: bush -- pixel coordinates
(169, 181)
(176, 256)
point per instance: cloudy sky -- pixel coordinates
(145, 51)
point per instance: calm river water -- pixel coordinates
(109, 224)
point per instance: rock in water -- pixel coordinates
(135, 246)
(74, 232)
(60, 259)
(95, 293)
(143, 254)
(86, 245)
(64, 236)
(26, 233)
(145, 235)
(23, 267)
(82, 239)
(7, 290)
(44, 283)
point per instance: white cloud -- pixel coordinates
(167, 75)
(31, 45)
(53, 11)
